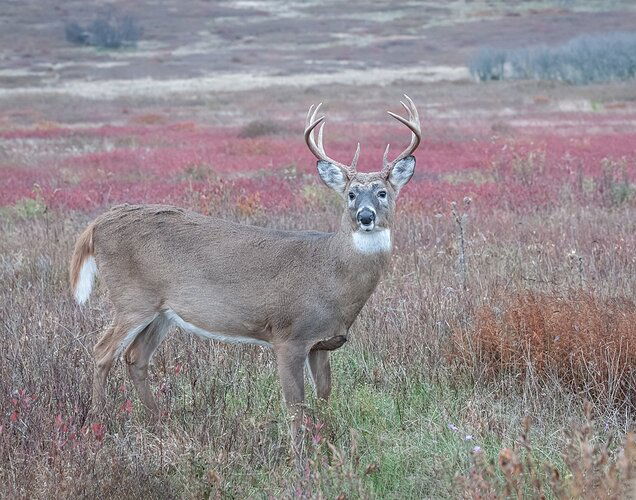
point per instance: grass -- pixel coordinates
(444, 366)
(448, 387)
(406, 419)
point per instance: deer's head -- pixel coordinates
(370, 197)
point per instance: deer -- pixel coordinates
(296, 292)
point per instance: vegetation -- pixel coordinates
(259, 128)
(109, 30)
(495, 359)
(583, 60)
(466, 374)
(179, 161)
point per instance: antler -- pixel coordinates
(412, 123)
(318, 149)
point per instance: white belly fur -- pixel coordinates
(175, 319)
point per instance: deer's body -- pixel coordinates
(234, 281)
(295, 291)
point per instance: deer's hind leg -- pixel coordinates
(108, 348)
(138, 357)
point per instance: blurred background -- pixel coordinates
(181, 73)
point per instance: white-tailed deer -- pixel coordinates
(295, 291)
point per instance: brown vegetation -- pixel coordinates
(427, 381)
(582, 341)
(595, 470)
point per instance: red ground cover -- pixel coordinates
(171, 163)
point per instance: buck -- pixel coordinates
(297, 292)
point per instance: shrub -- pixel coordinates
(109, 30)
(488, 64)
(259, 128)
(582, 60)
(585, 342)
(76, 34)
(615, 187)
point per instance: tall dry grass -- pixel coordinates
(578, 340)
(428, 377)
(594, 471)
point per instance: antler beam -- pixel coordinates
(413, 123)
(318, 149)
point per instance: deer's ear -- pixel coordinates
(402, 172)
(332, 175)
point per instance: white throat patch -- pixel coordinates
(372, 241)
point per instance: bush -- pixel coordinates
(586, 343)
(488, 64)
(109, 30)
(76, 34)
(260, 128)
(582, 60)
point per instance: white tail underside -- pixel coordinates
(85, 281)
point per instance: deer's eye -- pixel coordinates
(352, 195)
(382, 194)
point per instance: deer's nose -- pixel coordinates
(366, 217)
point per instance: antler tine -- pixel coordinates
(318, 149)
(320, 144)
(308, 119)
(385, 157)
(416, 115)
(309, 130)
(413, 123)
(408, 110)
(354, 162)
(313, 116)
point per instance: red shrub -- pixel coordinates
(587, 343)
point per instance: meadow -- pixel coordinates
(497, 357)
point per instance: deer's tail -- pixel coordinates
(83, 267)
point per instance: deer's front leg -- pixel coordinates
(291, 361)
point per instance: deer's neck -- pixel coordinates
(364, 247)
(362, 258)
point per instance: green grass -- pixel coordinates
(26, 208)
(401, 406)
(411, 432)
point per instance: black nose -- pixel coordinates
(366, 217)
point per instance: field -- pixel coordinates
(497, 358)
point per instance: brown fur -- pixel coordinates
(298, 290)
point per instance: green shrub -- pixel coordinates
(582, 60)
